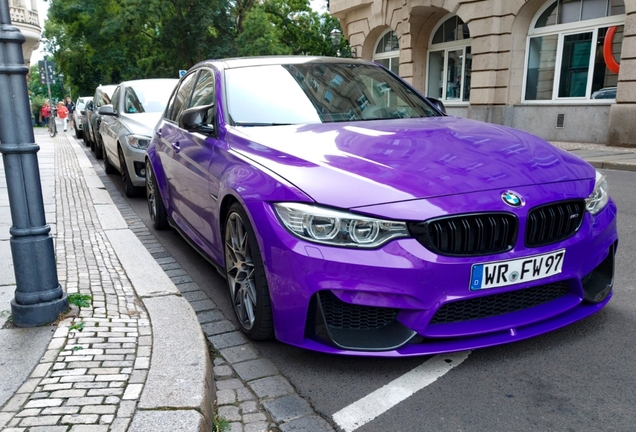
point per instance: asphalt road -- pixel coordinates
(580, 378)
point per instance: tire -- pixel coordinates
(108, 167)
(245, 274)
(129, 188)
(78, 133)
(157, 210)
(52, 128)
(92, 143)
(99, 147)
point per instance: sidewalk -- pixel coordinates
(139, 358)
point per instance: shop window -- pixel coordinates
(387, 52)
(565, 55)
(450, 62)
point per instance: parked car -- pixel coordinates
(102, 96)
(605, 93)
(127, 125)
(86, 132)
(78, 115)
(355, 221)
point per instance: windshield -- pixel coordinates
(148, 96)
(318, 93)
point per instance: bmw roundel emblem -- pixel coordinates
(512, 199)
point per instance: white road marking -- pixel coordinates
(366, 409)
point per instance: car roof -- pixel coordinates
(239, 62)
(148, 80)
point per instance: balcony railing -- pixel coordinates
(22, 15)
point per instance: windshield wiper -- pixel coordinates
(261, 124)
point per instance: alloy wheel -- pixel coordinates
(240, 271)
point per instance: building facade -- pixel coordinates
(562, 69)
(24, 15)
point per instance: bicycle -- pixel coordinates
(52, 124)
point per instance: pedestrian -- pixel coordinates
(62, 113)
(45, 112)
(70, 106)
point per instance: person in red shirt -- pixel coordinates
(62, 113)
(45, 112)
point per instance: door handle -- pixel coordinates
(175, 146)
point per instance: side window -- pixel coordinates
(181, 97)
(115, 99)
(132, 104)
(204, 91)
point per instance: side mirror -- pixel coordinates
(106, 110)
(82, 112)
(198, 119)
(438, 104)
(89, 106)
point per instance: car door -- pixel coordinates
(109, 126)
(193, 153)
(169, 136)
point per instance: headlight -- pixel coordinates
(337, 228)
(599, 197)
(138, 141)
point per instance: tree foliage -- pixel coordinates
(109, 41)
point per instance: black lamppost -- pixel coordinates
(39, 298)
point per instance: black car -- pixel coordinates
(103, 93)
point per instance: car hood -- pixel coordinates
(141, 123)
(350, 165)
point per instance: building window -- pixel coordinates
(450, 61)
(565, 59)
(387, 52)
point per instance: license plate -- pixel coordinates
(504, 273)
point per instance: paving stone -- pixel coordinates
(253, 369)
(304, 424)
(39, 421)
(89, 428)
(239, 353)
(223, 371)
(287, 408)
(230, 413)
(43, 403)
(167, 421)
(99, 409)
(201, 305)
(225, 397)
(209, 316)
(236, 427)
(254, 417)
(61, 410)
(261, 426)
(226, 340)
(271, 387)
(47, 429)
(249, 407)
(80, 419)
(232, 383)
(244, 394)
(218, 327)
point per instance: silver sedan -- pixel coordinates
(127, 127)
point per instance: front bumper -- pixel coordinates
(388, 301)
(136, 164)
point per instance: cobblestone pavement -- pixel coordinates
(94, 368)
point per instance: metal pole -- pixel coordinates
(39, 298)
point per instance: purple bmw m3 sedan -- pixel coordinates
(350, 215)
